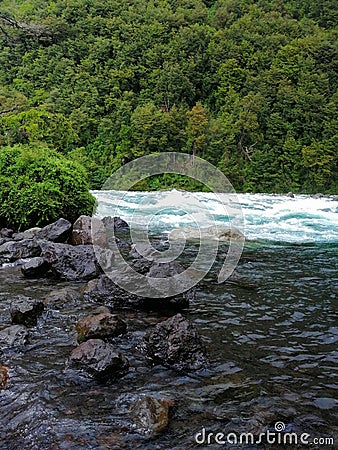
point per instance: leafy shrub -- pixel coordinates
(38, 186)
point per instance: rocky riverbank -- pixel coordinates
(86, 365)
(64, 252)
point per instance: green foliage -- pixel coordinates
(250, 85)
(37, 125)
(38, 186)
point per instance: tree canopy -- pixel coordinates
(250, 85)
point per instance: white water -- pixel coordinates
(277, 218)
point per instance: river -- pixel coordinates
(270, 332)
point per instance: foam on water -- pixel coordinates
(267, 217)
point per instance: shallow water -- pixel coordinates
(271, 335)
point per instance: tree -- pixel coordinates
(38, 186)
(196, 128)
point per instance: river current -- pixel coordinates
(271, 335)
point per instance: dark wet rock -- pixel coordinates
(82, 231)
(106, 292)
(99, 359)
(13, 250)
(115, 223)
(175, 343)
(151, 414)
(143, 252)
(25, 311)
(71, 263)
(290, 194)
(4, 376)
(165, 270)
(35, 268)
(28, 234)
(122, 245)
(101, 326)
(3, 240)
(140, 264)
(58, 231)
(116, 230)
(13, 336)
(105, 258)
(6, 233)
(87, 230)
(64, 297)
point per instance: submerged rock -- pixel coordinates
(58, 231)
(25, 311)
(13, 336)
(69, 262)
(4, 376)
(64, 297)
(36, 267)
(175, 343)
(151, 414)
(102, 326)
(217, 232)
(242, 281)
(99, 359)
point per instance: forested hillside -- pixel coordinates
(249, 85)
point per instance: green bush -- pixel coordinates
(38, 186)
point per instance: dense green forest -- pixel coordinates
(250, 85)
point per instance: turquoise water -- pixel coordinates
(263, 217)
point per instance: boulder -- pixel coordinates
(4, 375)
(115, 224)
(13, 250)
(25, 311)
(28, 234)
(58, 231)
(105, 291)
(151, 414)
(114, 227)
(101, 326)
(71, 263)
(35, 268)
(98, 359)
(13, 336)
(175, 343)
(83, 230)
